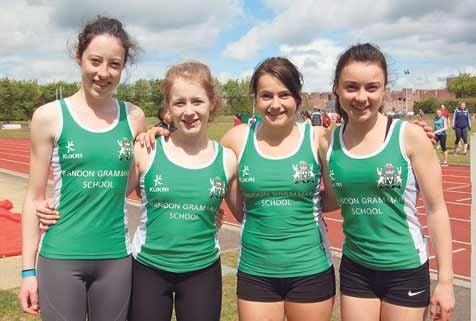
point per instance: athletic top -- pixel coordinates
(177, 231)
(461, 118)
(283, 234)
(90, 169)
(439, 123)
(377, 194)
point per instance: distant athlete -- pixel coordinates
(316, 117)
(440, 124)
(462, 125)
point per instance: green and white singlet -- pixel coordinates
(90, 170)
(377, 194)
(177, 230)
(283, 234)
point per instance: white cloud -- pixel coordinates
(184, 29)
(432, 37)
(307, 20)
(33, 32)
(43, 69)
(316, 61)
(154, 15)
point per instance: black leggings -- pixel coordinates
(197, 294)
(442, 140)
(461, 133)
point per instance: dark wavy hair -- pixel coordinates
(110, 26)
(282, 69)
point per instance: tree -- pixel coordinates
(156, 96)
(463, 86)
(236, 97)
(429, 105)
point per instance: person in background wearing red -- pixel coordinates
(444, 111)
(338, 120)
(236, 119)
(326, 120)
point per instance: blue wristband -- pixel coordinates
(28, 273)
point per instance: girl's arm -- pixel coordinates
(233, 195)
(139, 166)
(136, 119)
(322, 139)
(428, 174)
(234, 140)
(43, 130)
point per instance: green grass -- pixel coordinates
(15, 133)
(10, 308)
(458, 159)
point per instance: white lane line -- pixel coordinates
(16, 155)
(454, 251)
(465, 176)
(15, 149)
(456, 276)
(451, 218)
(453, 203)
(454, 241)
(448, 182)
(456, 187)
(12, 161)
(459, 192)
(464, 199)
(333, 219)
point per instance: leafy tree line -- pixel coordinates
(431, 104)
(463, 86)
(20, 98)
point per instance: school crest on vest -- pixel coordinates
(217, 189)
(126, 150)
(389, 177)
(303, 173)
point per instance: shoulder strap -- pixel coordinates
(389, 123)
(122, 110)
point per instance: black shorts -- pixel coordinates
(303, 289)
(442, 140)
(409, 288)
(196, 295)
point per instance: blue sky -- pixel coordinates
(434, 39)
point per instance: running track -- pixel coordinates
(14, 156)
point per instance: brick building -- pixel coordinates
(394, 101)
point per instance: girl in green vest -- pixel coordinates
(182, 184)
(378, 167)
(84, 264)
(285, 267)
